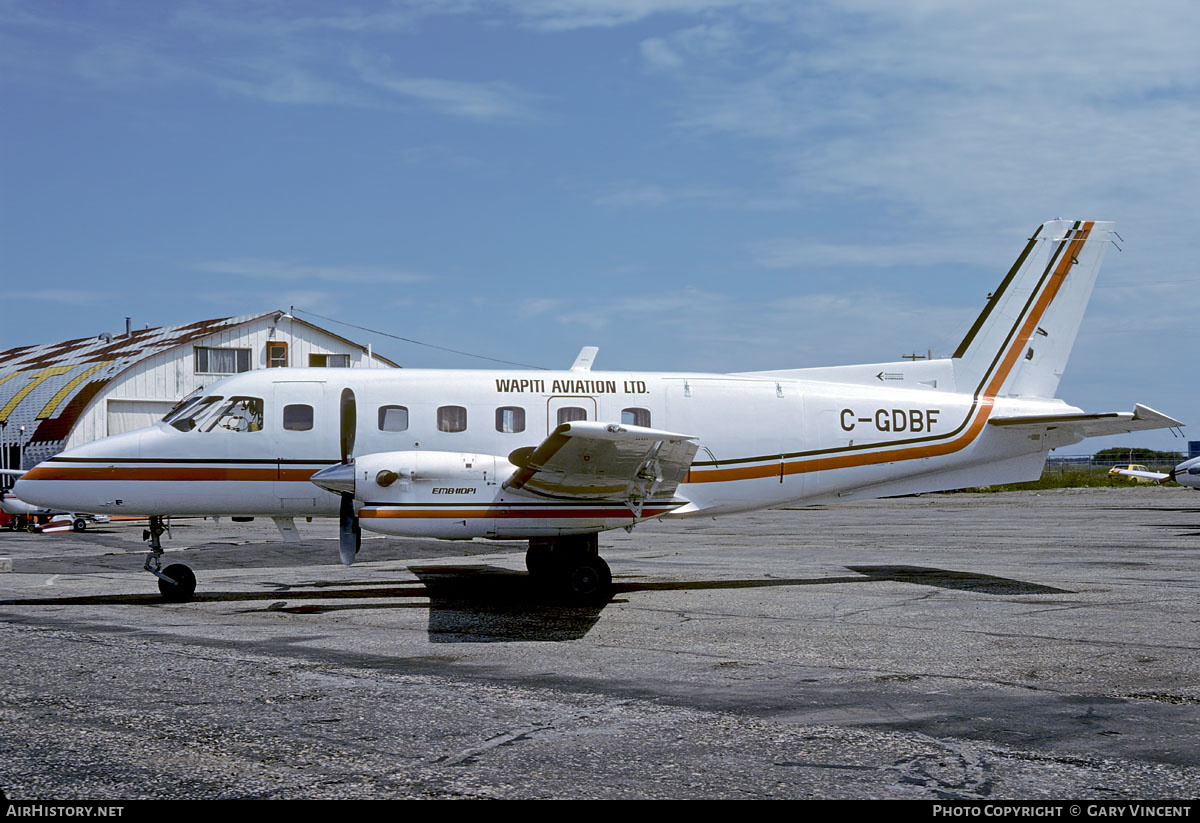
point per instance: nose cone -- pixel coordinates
(338, 479)
(33, 491)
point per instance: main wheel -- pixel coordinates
(183, 588)
(78, 524)
(539, 558)
(589, 580)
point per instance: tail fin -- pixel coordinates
(1020, 343)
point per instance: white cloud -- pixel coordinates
(577, 14)
(70, 297)
(487, 100)
(789, 253)
(659, 55)
(259, 268)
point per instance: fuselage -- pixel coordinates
(250, 443)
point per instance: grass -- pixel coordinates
(1062, 479)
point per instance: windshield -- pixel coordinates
(188, 414)
(186, 403)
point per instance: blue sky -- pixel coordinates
(721, 185)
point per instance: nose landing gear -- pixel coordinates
(176, 582)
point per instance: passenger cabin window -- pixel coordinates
(569, 414)
(510, 419)
(393, 418)
(451, 419)
(636, 417)
(298, 417)
(222, 361)
(240, 414)
(331, 361)
(189, 415)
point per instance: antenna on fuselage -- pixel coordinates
(583, 362)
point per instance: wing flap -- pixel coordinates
(604, 461)
(1142, 418)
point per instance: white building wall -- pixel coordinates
(144, 392)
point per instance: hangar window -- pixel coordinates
(569, 414)
(298, 417)
(636, 417)
(451, 419)
(331, 361)
(277, 354)
(240, 414)
(510, 419)
(393, 418)
(222, 361)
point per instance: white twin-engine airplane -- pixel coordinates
(556, 457)
(1186, 473)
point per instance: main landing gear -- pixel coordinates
(176, 582)
(572, 565)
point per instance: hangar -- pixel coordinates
(57, 395)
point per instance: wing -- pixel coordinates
(1142, 418)
(603, 461)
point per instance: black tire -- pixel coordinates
(184, 586)
(78, 524)
(540, 559)
(589, 580)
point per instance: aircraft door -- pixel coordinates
(304, 430)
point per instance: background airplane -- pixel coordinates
(1186, 473)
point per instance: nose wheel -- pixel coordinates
(177, 582)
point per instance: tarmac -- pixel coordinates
(1017, 646)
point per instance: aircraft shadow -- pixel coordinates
(947, 579)
(489, 604)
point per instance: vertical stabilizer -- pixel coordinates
(1020, 342)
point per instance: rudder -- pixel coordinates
(1020, 342)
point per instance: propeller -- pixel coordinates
(349, 531)
(339, 479)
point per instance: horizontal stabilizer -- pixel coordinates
(1142, 418)
(603, 461)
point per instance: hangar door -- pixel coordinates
(127, 415)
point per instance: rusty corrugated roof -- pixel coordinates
(46, 388)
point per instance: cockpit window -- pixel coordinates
(189, 414)
(240, 414)
(186, 403)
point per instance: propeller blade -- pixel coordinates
(349, 531)
(349, 422)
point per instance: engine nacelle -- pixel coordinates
(428, 476)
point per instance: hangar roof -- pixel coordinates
(60, 379)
